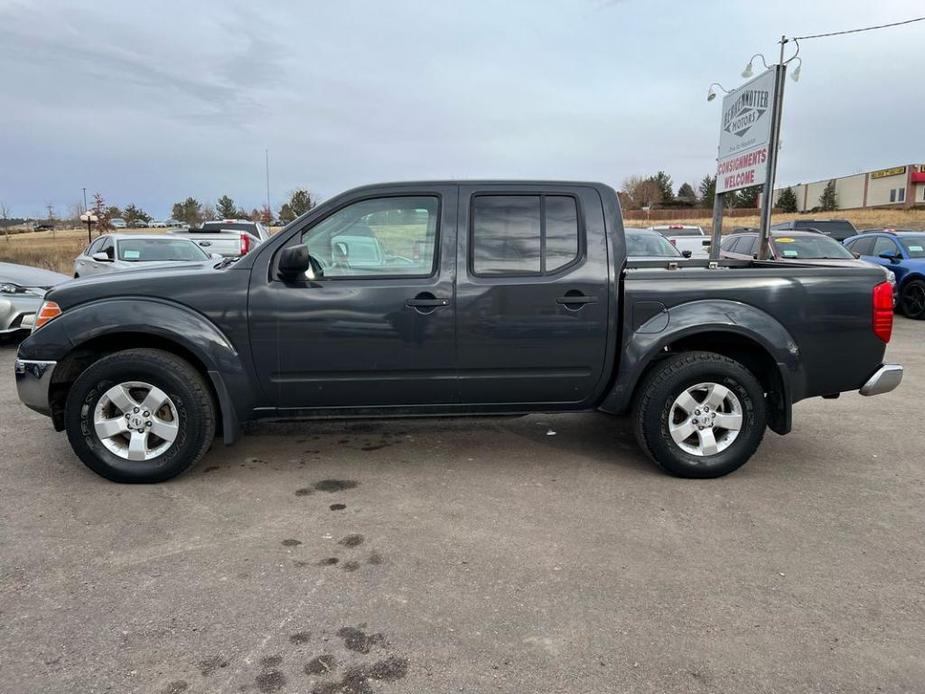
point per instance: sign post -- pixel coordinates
(767, 198)
(748, 146)
(89, 219)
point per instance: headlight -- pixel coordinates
(10, 288)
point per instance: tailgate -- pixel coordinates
(227, 243)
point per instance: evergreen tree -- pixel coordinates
(664, 185)
(300, 202)
(747, 197)
(188, 211)
(226, 208)
(707, 190)
(687, 195)
(828, 201)
(787, 200)
(134, 214)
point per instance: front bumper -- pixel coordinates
(33, 379)
(883, 380)
(17, 313)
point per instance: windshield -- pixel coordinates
(914, 245)
(813, 247)
(147, 250)
(839, 230)
(649, 245)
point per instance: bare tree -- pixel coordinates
(74, 210)
(102, 213)
(642, 192)
(4, 215)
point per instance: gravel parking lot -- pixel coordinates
(541, 554)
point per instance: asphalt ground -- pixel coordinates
(539, 554)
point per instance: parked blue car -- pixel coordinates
(903, 252)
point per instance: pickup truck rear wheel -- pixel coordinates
(699, 414)
(140, 415)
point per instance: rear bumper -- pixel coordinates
(883, 380)
(33, 379)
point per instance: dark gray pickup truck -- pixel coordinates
(452, 298)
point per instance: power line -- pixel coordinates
(855, 31)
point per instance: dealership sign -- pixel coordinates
(886, 173)
(745, 135)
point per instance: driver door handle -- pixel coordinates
(576, 299)
(428, 303)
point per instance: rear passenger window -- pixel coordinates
(523, 234)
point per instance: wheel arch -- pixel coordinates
(114, 326)
(739, 331)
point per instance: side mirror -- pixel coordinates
(856, 255)
(295, 261)
(102, 257)
(687, 254)
(889, 256)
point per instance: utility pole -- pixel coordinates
(266, 153)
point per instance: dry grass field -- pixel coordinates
(52, 250)
(57, 250)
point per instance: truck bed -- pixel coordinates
(825, 310)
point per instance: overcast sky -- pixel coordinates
(152, 102)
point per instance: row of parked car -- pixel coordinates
(22, 287)
(901, 253)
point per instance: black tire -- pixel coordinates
(912, 299)
(666, 381)
(185, 387)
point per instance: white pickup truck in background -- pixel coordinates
(686, 237)
(231, 238)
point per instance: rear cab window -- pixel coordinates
(523, 234)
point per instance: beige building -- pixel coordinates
(897, 186)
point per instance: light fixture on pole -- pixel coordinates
(795, 75)
(711, 93)
(748, 72)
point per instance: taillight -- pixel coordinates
(883, 311)
(48, 310)
(245, 244)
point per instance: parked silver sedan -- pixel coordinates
(117, 252)
(21, 291)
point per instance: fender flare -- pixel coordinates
(231, 380)
(645, 345)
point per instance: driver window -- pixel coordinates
(392, 237)
(885, 245)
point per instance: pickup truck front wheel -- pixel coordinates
(699, 414)
(140, 415)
